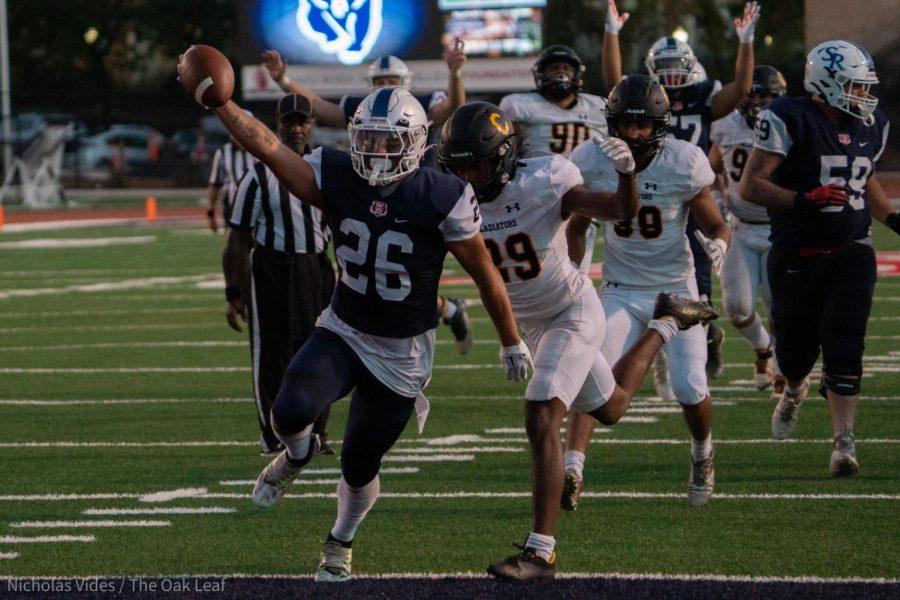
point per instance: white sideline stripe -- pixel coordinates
(173, 494)
(111, 345)
(126, 284)
(8, 555)
(81, 371)
(175, 510)
(80, 524)
(45, 539)
(14, 402)
(447, 451)
(47, 243)
(474, 575)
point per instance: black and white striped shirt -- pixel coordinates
(280, 221)
(228, 166)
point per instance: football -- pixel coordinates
(207, 75)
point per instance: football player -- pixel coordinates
(393, 223)
(696, 102)
(390, 71)
(744, 271)
(650, 254)
(812, 166)
(524, 204)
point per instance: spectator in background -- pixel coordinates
(282, 243)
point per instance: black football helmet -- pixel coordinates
(639, 97)
(478, 144)
(558, 86)
(768, 84)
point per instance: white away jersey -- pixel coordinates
(549, 129)
(652, 249)
(735, 140)
(523, 230)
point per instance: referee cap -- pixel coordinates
(293, 103)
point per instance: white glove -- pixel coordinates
(516, 360)
(715, 249)
(618, 152)
(614, 21)
(746, 25)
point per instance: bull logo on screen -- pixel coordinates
(346, 28)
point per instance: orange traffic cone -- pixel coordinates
(151, 208)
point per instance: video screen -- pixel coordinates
(495, 32)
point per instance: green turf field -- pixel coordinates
(119, 379)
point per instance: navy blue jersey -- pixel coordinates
(391, 249)
(692, 112)
(817, 152)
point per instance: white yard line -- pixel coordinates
(116, 345)
(105, 286)
(45, 539)
(83, 371)
(86, 524)
(22, 402)
(168, 510)
(109, 312)
(8, 555)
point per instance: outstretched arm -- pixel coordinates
(731, 95)
(612, 57)
(455, 57)
(326, 112)
(472, 254)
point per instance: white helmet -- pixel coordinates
(390, 66)
(833, 68)
(388, 133)
(698, 73)
(670, 61)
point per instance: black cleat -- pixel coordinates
(460, 326)
(527, 565)
(683, 310)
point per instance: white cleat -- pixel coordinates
(274, 481)
(843, 461)
(703, 480)
(335, 565)
(787, 412)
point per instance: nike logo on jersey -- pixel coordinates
(793, 271)
(396, 220)
(862, 144)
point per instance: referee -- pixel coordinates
(285, 242)
(229, 164)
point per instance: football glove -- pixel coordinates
(822, 196)
(516, 360)
(746, 25)
(618, 152)
(715, 249)
(614, 21)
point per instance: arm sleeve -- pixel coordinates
(772, 134)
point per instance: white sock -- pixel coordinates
(700, 450)
(542, 544)
(755, 333)
(449, 309)
(353, 505)
(575, 462)
(297, 444)
(667, 328)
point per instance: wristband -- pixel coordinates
(283, 81)
(210, 213)
(232, 293)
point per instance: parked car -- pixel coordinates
(186, 141)
(132, 144)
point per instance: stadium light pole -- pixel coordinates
(4, 87)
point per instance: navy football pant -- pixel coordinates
(821, 301)
(326, 369)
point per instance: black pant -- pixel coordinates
(823, 301)
(288, 293)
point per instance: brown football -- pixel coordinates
(207, 75)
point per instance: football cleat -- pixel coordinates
(571, 491)
(787, 412)
(777, 387)
(715, 337)
(702, 481)
(460, 326)
(335, 563)
(684, 311)
(277, 477)
(661, 377)
(764, 370)
(843, 461)
(527, 565)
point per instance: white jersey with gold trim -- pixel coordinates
(523, 230)
(549, 129)
(735, 140)
(652, 249)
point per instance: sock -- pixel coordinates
(794, 390)
(542, 544)
(575, 462)
(450, 309)
(755, 333)
(667, 328)
(700, 450)
(298, 444)
(353, 505)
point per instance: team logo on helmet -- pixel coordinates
(495, 121)
(341, 27)
(378, 208)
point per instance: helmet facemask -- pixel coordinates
(642, 147)
(382, 155)
(556, 82)
(672, 63)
